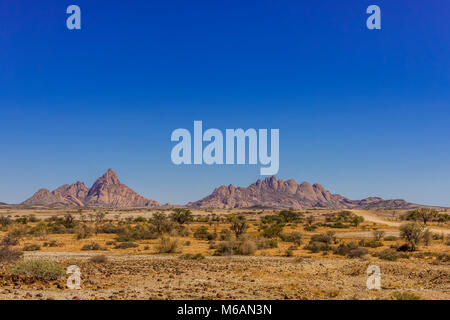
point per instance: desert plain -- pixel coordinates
(180, 253)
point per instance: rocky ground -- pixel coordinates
(238, 277)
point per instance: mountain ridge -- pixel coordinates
(107, 191)
(280, 194)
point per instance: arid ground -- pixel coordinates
(222, 254)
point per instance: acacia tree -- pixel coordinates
(238, 224)
(412, 233)
(182, 215)
(426, 214)
(356, 220)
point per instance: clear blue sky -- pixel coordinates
(362, 112)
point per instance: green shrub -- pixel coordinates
(357, 253)
(388, 254)
(272, 230)
(108, 228)
(181, 215)
(126, 245)
(370, 243)
(327, 238)
(9, 255)
(225, 235)
(390, 238)
(405, 295)
(317, 246)
(412, 233)
(190, 256)
(138, 232)
(40, 269)
(350, 250)
(91, 246)
(339, 225)
(202, 233)
(161, 223)
(295, 237)
(53, 243)
(5, 221)
(9, 240)
(31, 247)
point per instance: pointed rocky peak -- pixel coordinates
(318, 186)
(110, 177)
(80, 184)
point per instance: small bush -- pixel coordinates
(190, 256)
(4, 221)
(91, 246)
(9, 255)
(245, 247)
(390, 238)
(53, 243)
(412, 233)
(9, 240)
(82, 231)
(224, 248)
(295, 237)
(378, 234)
(327, 238)
(167, 245)
(388, 254)
(317, 246)
(357, 253)
(31, 247)
(201, 233)
(140, 219)
(350, 250)
(405, 295)
(273, 230)
(101, 258)
(427, 237)
(225, 235)
(126, 245)
(370, 243)
(108, 228)
(289, 252)
(40, 269)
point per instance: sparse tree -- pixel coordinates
(238, 224)
(357, 220)
(378, 234)
(412, 233)
(427, 237)
(426, 214)
(182, 215)
(161, 223)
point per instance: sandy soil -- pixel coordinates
(169, 277)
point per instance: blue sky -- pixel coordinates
(364, 113)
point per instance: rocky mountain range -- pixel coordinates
(107, 192)
(273, 193)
